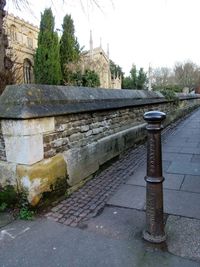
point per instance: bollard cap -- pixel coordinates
(154, 116)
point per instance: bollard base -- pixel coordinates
(153, 239)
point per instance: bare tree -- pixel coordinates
(84, 4)
(162, 77)
(187, 74)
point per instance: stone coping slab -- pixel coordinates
(33, 101)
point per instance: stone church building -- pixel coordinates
(96, 59)
(22, 43)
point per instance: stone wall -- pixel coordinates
(55, 137)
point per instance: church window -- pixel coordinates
(30, 40)
(13, 33)
(27, 66)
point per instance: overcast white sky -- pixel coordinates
(159, 32)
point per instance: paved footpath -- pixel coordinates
(101, 224)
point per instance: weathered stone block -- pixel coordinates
(49, 153)
(8, 174)
(27, 127)
(98, 130)
(70, 131)
(63, 127)
(60, 142)
(24, 149)
(3, 155)
(95, 125)
(85, 161)
(42, 177)
(89, 133)
(47, 138)
(75, 137)
(109, 147)
(133, 135)
(84, 128)
(81, 162)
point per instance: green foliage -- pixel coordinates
(127, 83)
(115, 69)
(47, 59)
(25, 213)
(76, 78)
(170, 87)
(8, 195)
(136, 80)
(141, 79)
(169, 94)
(3, 206)
(69, 48)
(90, 79)
(133, 76)
(174, 87)
(169, 91)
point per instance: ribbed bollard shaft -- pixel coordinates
(154, 190)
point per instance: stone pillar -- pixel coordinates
(26, 136)
(24, 165)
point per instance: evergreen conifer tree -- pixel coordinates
(141, 79)
(47, 60)
(133, 73)
(69, 48)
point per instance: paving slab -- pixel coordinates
(189, 135)
(190, 150)
(172, 181)
(51, 244)
(183, 237)
(5, 218)
(177, 156)
(183, 144)
(191, 140)
(167, 148)
(174, 138)
(195, 159)
(182, 203)
(118, 223)
(175, 202)
(184, 167)
(129, 196)
(191, 183)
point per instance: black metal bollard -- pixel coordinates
(154, 231)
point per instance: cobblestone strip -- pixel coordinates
(88, 201)
(92, 197)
